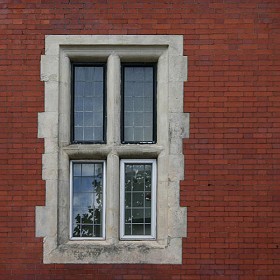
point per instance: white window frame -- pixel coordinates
(103, 237)
(52, 219)
(153, 195)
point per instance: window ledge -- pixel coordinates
(120, 252)
(96, 151)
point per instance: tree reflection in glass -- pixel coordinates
(87, 199)
(138, 198)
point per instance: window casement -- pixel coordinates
(138, 199)
(138, 124)
(113, 128)
(88, 103)
(87, 200)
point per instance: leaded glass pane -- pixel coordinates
(88, 109)
(138, 104)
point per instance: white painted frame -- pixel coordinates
(103, 200)
(153, 204)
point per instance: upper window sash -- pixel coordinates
(138, 103)
(88, 114)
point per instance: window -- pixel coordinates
(87, 218)
(89, 101)
(113, 126)
(87, 211)
(138, 199)
(138, 103)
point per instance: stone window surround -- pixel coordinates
(52, 220)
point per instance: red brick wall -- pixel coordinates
(232, 180)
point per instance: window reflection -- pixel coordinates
(87, 198)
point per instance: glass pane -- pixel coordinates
(98, 132)
(76, 230)
(98, 74)
(97, 231)
(86, 184)
(138, 133)
(128, 181)
(138, 100)
(137, 229)
(87, 231)
(88, 119)
(87, 169)
(79, 104)
(128, 229)
(147, 229)
(138, 73)
(88, 107)
(127, 199)
(138, 200)
(138, 182)
(88, 132)
(97, 217)
(79, 133)
(138, 120)
(147, 132)
(79, 117)
(148, 74)
(88, 104)
(87, 199)
(148, 215)
(77, 170)
(87, 218)
(128, 216)
(138, 105)
(138, 216)
(82, 199)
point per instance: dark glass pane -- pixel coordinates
(137, 229)
(138, 104)
(127, 199)
(97, 231)
(128, 179)
(148, 215)
(127, 229)
(88, 110)
(138, 184)
(147, 229)
(138, 199)
(138, 216)
(128, 216)
(87, 218)
(76, 230)
(97, 217)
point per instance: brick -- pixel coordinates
(231, 184)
